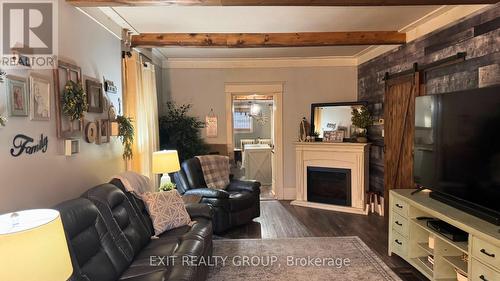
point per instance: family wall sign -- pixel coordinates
(25, 144)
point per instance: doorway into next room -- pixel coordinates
(253, 139)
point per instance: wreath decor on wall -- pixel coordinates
(74, 100)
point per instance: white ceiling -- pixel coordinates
(178, 19)
(261, 52)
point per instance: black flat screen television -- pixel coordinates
(457, 150)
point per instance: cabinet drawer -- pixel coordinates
(400, 207)
(486, 252)
(400, 224)
(399, 244)
(481, 272)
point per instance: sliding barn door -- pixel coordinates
(399, 114)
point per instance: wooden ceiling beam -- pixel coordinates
(109, 3)
(263, 40)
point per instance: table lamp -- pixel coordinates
(164, 162)
(33, 247)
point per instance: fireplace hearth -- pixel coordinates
(332, 176)
(329, 185)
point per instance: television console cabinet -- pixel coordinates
(478, 258)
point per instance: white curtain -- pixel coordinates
(141, 104)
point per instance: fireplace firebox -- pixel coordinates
(329, 185)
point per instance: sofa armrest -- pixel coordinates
(208, 193)
(197, 210)
(247, 185)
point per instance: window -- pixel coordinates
(242, 122)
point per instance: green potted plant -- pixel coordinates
(126, 134)
(181, 132)
(167, 186)
(362, 119)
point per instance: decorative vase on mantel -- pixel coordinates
(362, 139)
(361, 136)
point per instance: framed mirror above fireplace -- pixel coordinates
(333, 117)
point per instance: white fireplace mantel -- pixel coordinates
(353, 156)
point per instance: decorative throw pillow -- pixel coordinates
(166, 209)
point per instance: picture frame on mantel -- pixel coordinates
(62, 74)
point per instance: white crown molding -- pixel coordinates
(432, 21)
(118, 19)
(373, 52)
(103, 20)
(448, 15)
(260, 62)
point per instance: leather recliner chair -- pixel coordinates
(237, 204)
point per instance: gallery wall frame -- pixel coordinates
(17, 96)
(95, 96)
(40, 97)
(63, 73)
(103, 131)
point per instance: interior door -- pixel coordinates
(273, 151)
(399, 114)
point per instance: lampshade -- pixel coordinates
(33, 247)
(165, 161)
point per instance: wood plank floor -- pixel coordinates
(279, 219)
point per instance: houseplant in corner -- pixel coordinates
(362, 119)
(181, 132)
(126, 134)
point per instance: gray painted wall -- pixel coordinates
(204, 88)
(42, 180)
(478, 35)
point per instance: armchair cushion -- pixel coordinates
(196, 210)
(208, 193)
(240, 185)
(240, 201)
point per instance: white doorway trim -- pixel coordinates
(271, 89)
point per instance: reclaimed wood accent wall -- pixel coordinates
(478, 35)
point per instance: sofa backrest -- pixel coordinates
(94, 253)
(194, 173)
(122, 220)
(138, 205)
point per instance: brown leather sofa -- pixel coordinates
(109, 238)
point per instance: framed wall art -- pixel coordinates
(40, 93)
(17, 96)
(211, 124)
(62, 74)
(95, 97)
(103, 131)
